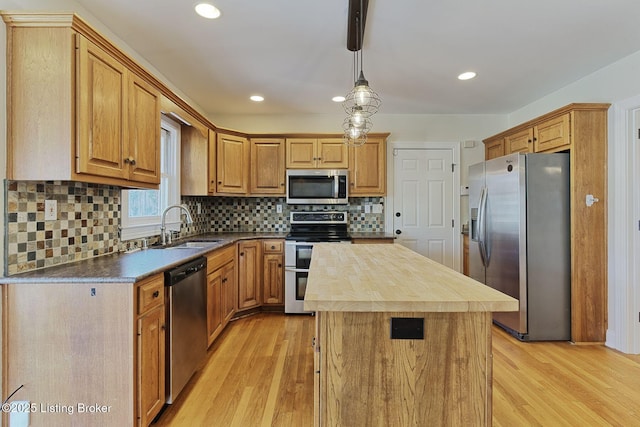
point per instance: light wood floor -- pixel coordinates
(260, 373)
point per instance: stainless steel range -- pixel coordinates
(308, 228)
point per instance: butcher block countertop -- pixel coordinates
(385, 278)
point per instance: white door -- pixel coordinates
(423, 205)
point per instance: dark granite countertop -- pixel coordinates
(131, 267)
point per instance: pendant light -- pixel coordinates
(362, 102)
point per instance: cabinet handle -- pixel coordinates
(156, 294)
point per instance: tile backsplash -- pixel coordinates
(88, 220)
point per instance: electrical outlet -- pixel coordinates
(367, 208)
(19, 413)
(199, 208)
(50, 210)
(376, 208)
(278, 208)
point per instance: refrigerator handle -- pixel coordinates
(481, 227)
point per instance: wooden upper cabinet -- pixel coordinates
(519, 142)
(75, 110)
(332, 154)
(553, 134)
(493, 148)
(143, 131)
(316, 153)
(196, 158)
(367, 168)
(232, 164)
(267, 166)
(102, 112)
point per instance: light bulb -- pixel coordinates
(357, 119)
(354, 132)
(362, 95)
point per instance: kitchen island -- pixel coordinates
(400, 339)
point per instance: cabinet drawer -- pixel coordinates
(150, 293)
(218, 258)
(272, 246)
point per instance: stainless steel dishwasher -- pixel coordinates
(187, 323)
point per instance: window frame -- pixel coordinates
(138, 228)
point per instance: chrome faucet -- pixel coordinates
(164, 215)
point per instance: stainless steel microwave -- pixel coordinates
(317, 186)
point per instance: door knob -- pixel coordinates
(398, 232)
(398, 214)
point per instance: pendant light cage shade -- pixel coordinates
(355, 130)
(362, 98)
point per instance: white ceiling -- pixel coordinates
(293, 52)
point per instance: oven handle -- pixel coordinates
(297, 270)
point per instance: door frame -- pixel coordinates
(623, 330)
(455, 151)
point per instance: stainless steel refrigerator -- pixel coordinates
(519, 243)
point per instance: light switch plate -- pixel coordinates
(50, 210)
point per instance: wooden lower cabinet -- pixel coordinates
(273, 272)
(151, 372)
(87, 343)
(249, 274)
(221, 290)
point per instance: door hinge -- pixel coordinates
(638, 133)
(453, 167)
(453, 222)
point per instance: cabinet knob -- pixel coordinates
(220, 182)
(282, 184)
(279, 265)
(241, 253)
(398, 231)
(272, 247)
(156, 294)
(133, 162)
(130, 160)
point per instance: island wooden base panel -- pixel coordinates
(443, 379)
(247, 381)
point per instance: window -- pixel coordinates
(141, 210)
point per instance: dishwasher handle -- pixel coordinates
(183, 271)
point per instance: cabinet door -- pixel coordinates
(214, 304)
(553, 134)
(144, 131)
(151, 379)
(101, 112)
(233, 164)
(212, 161)
(332, 153)
(301, 153)
(272, 279)
(248, 274)
(267, 166)
(519, 142)
(367, 168)
(494, 148)
(229, 291)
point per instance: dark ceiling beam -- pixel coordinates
(354, 40)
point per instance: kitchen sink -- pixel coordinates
(194, 244)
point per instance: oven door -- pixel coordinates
(297, 254)
(295, 286)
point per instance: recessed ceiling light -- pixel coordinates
(256, 98)
(466, 76)
(207, 10)
(338, 98)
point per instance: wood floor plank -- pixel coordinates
(260, 373)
